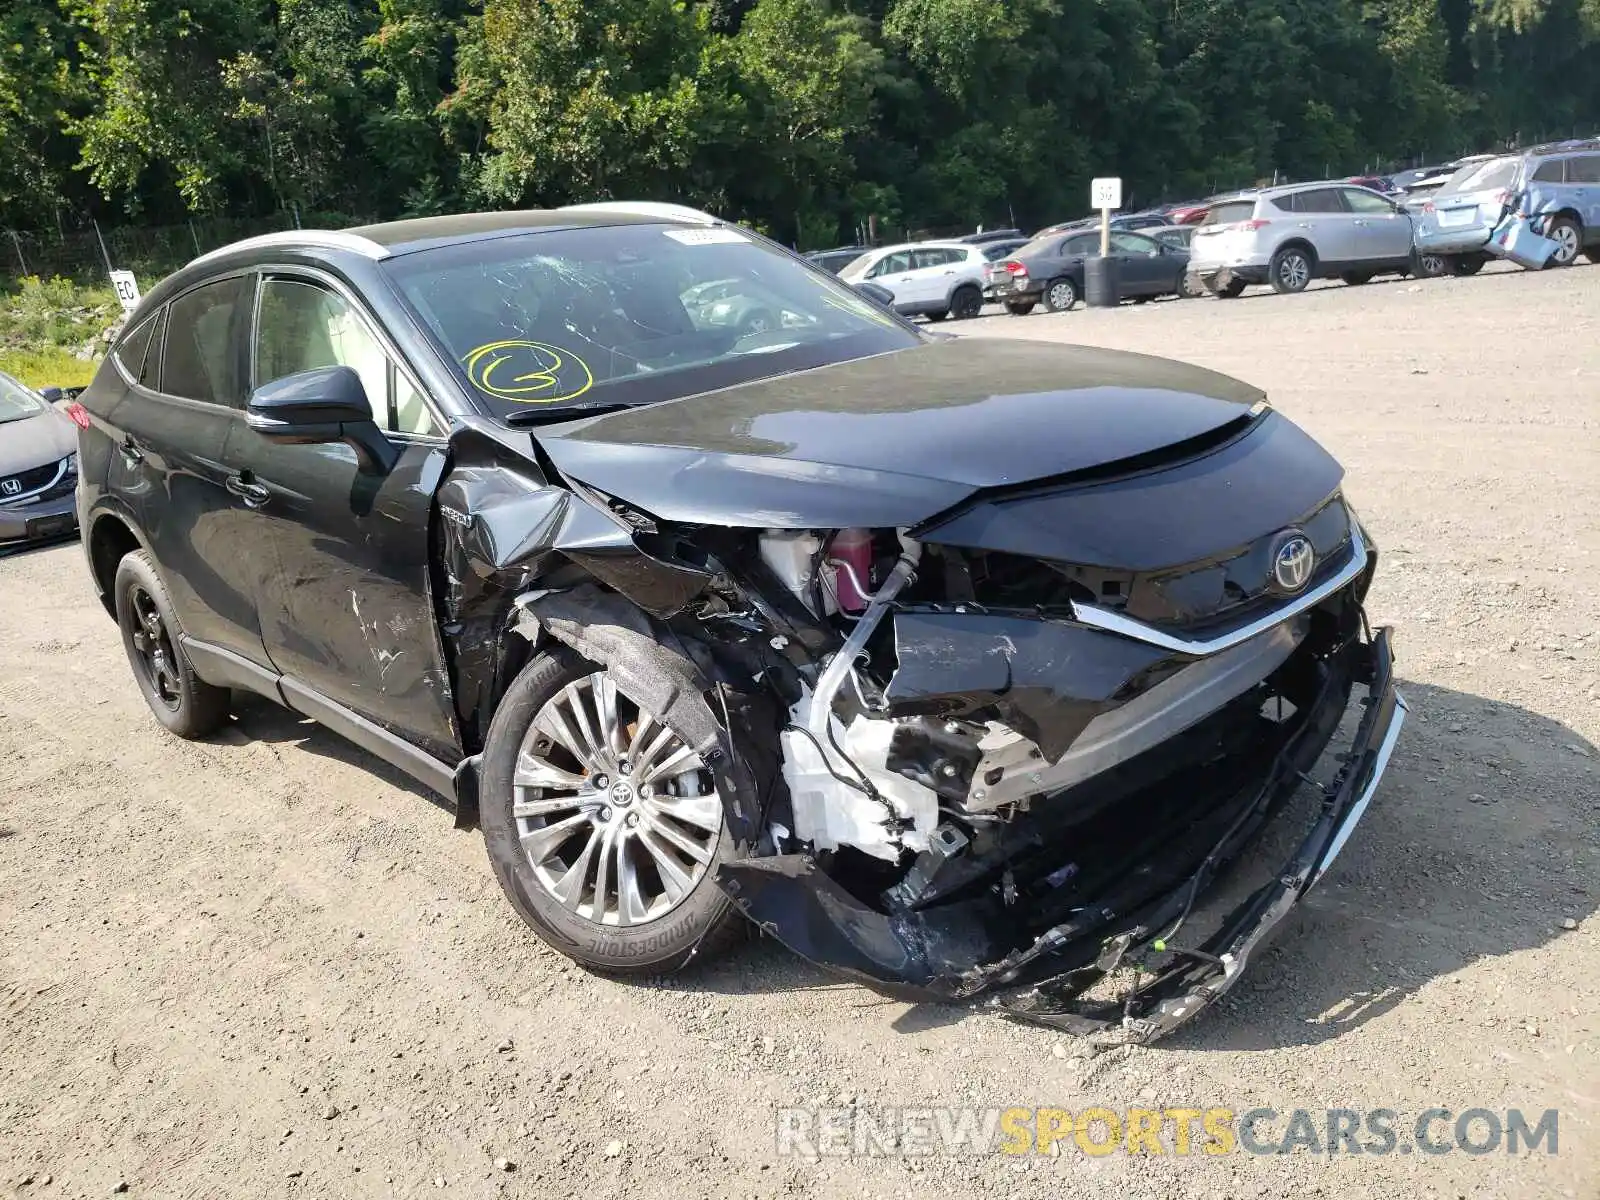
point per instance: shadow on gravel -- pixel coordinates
(1482, 840)
(259, 720)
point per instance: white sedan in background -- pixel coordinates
(930, 279)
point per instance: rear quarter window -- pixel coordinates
(200, 360)
(1585, 169)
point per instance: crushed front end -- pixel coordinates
(1022, 777)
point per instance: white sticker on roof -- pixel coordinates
(705, 237)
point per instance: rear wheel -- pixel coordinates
(1356, 278)
(1231, 290)
(937, 314)
(1567, 234)
(604, 827)
(1189, 287)
(1060, 294)
(966, 303)
(1019, 308)
(1290, 270)
(183, 702)
(1466, 264)
(1429, 266)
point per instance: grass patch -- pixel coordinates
(42, 321)
(49, 367)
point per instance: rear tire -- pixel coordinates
(1060, 295)
(966, 303)
(185, 704)
(1290, 270)
(937, 315)
(1568, 236)
(1430, 266)
(1019, 308)
(1231, 290)
(1467, 264)
(655, 835)
(1356, 278)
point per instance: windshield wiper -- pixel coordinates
(564, 412)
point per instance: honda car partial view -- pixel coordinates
(38, 467)
(963, 667)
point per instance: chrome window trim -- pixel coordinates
(23, 497)
(1114, 622)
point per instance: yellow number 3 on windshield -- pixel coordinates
(527, 372)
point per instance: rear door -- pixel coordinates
(348, 610)
(1323, 219)
(1583, 177)
(933, 272)
(170, 430)
(1382, 234)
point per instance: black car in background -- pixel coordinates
(834, 261)
(957, 665)
(1050, 270)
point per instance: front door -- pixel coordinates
(1382, 232)
(349, 612)
(1145, 269)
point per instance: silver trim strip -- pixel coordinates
(1385, 749)
(331, 239)
(24, 497)
(1112, 622)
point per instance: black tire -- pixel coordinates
(1189, 287)
(1290, 270)
(938, 315)
(703, 924)
(1569, 234)
(1019, 308)
(966, 303)
(1231, 290)
(1593, 253)
(1430, 266)
(1060, 294)
(1356, 278)
(185, 704)
(1466, 264)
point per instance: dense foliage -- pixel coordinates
(802, 116)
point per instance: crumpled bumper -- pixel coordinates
(901, 954)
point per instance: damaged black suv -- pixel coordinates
(710, 590)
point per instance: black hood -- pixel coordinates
(893, 440)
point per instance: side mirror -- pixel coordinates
(326, 404)
(880, 296)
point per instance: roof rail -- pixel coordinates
(332, 239)
(647, 208)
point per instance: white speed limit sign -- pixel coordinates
(1105, 193)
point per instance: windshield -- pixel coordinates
(1482, 177)
(632, 314)
(16, 401)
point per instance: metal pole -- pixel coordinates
(17, 243)
(1105, 233)
(195, 236)
(104, 253)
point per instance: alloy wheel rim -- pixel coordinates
(154, 647)
(617, 816)
(1062, 295)
(1566, 239)
(1432, 264)
(1294, 271)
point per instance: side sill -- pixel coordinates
(374, 739)
(224, 668)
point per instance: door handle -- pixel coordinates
(131, 451)
(253, 494)
(949, 272)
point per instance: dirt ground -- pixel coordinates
(266, 966)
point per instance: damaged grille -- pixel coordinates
(1189, 599)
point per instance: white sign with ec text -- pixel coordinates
(1105, 193)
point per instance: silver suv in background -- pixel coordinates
(1562, 180)
(1288, 236)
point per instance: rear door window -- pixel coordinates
(1584, 169)
(1552, 170)
(200, 359)
(1320, 200)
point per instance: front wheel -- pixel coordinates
(1290, 270)
(604, 827)
(1060, 294)
(183, 702)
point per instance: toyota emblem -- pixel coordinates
(1293, 561)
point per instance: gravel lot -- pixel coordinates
(266, 966)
